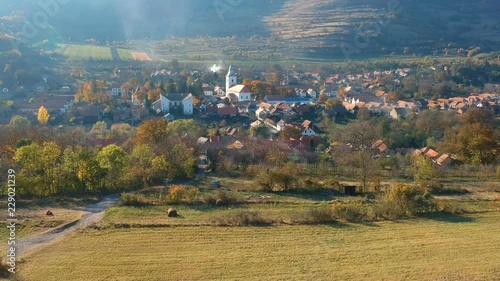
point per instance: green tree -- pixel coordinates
(112, 159)
(141, 163)
(423, 170)
(19, 122)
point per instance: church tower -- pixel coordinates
(231, 78)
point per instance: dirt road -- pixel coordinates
(92, 214)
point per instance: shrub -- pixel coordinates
(240, 218)
(332, 183)
(310, 184)
(180, 194)
(319, 215)
(348, 213)
(404, 201)
(131, 199)
(222, 196)
(451, 207)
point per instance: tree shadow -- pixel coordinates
(448, 217)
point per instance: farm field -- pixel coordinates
(86, 52)
(441, 248)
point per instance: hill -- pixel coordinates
(321, 28)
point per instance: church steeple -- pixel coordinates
(231, 78)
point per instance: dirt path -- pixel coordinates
(92, 214)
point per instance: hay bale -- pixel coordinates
(172, 213)
(219, 202)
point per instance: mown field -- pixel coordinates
(87, 52)
(34, 221)
(443, 248)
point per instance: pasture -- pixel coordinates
(440, 248)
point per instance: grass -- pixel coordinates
(444, 248)
(125, 55)
(31, 222)
(86, 52)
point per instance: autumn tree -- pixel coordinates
(290, 132)
(152, 131)
(43, 115)
(477, 139)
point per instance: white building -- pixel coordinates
(231, 78)
(240, 91)
(175, 101)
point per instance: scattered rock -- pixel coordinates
(172, 213)
(49, 213)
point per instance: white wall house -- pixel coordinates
(241, 92)
(174, 101)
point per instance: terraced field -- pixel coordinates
(443, 248)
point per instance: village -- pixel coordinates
(292, 117)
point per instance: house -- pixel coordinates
(116, 90)
(208, 91)
(380, 146)
(308, 129)
(436, 157)
(228, 111)
(312, 93)
(170, 102)
(219, 142)
(298, 100)
(219, 91)
(53, 104)
(241, 92)
(399, 113)
(274, 99)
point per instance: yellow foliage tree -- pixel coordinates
(43, 115)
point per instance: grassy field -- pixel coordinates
(86, 52)
(125, 55)
(31, 222)
(442, 248)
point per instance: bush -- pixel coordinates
(320, 215)
(240, 218)
(451, 207)
(332, 183)
(180, 194)
(131, 199)
(310, 184)
(348, 213)
(404, 201)
(222, 196)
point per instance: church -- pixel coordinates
(240, 91)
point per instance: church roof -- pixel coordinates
(238, 89)
(231, 71)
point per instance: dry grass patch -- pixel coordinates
(452, 248)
